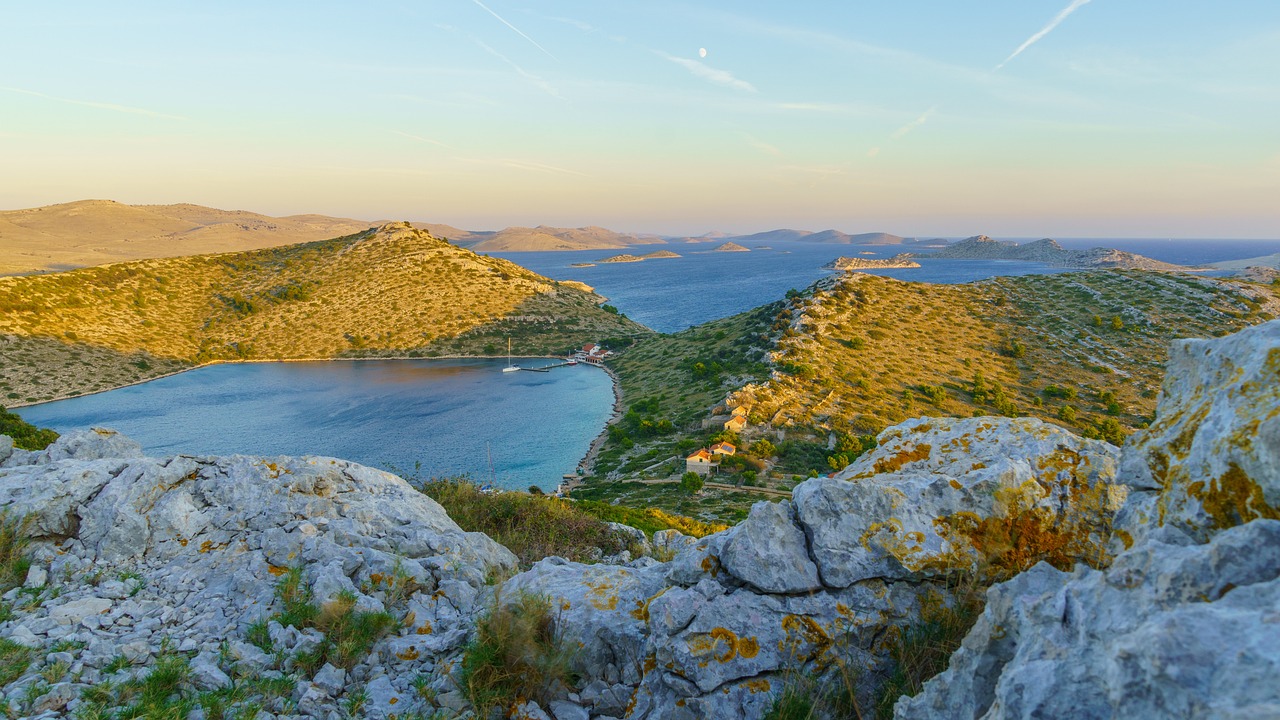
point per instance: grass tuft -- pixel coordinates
(516, 655)
(531, 526)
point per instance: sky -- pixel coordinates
(1016, 118)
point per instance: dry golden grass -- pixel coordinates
(865, 352)
(396, 291)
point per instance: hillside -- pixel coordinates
(95, 232)
(981, 247)
(857, 353)
(393, 291)
(543, 238)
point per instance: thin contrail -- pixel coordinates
(1057, 20)
(99, 105)
(513, 27)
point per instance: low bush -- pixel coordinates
(348, 633)
(532, 527)
(516, 655)
(24, 434)
(14, 562)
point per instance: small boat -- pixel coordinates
(511, 367)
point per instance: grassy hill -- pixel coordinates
(393, 291)
(94, 232)
(856, 353)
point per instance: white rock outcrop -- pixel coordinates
(813, 585)
(1186, 621)
(186, 552)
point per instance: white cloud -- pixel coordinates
(429, 141)
(513, 27)
(924, 117)
(1057, 20)
(761, 145)
(708, 73)
(537, 81)
(99, 105)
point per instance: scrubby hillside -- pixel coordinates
(1086, 350)
(823, 372)
(394, 291)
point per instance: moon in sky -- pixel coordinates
(702, 52)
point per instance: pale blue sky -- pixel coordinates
(1127, 118)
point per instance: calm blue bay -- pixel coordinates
(391, 414)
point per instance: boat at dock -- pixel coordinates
(511, 367)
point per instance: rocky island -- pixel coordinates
(901, 260)
(238, 583)
(730, 247)
(981, 247)
(656, 255)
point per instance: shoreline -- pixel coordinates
(588, 460)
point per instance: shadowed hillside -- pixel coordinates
(396, 291)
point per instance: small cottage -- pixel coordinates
(700, 462)
(723, 448)
(735, 423)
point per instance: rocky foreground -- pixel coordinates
(1142, 583)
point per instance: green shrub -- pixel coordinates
(923, 650)
(516, 655)
(532, 527)
(348, 633)
(14, 562)
(24, 434)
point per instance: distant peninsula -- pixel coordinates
(901, 260)
(1049, 251)
(730, 247)
(656, 255)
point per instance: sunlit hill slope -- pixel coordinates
(393, 291)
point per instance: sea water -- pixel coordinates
(432, 418)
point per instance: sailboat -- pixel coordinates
(511, 367)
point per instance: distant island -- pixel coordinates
(730, 247)
(655, 255)
(901, 260)
(1048, 251)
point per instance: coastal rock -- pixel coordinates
(1183, 623)
(1168, 631)
(767, 551)
(1211, 459)
(940, 495)
(150, 555)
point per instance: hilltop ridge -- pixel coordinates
(95, 232)
(389, 291)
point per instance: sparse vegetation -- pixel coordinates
(24, 434)
(516, 655)
(533, 527)
(14, 562)
(348, 633)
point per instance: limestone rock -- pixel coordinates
(939, 494)
(1211, 459)
(6, 447)
(1167, 631)
(767, 551)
